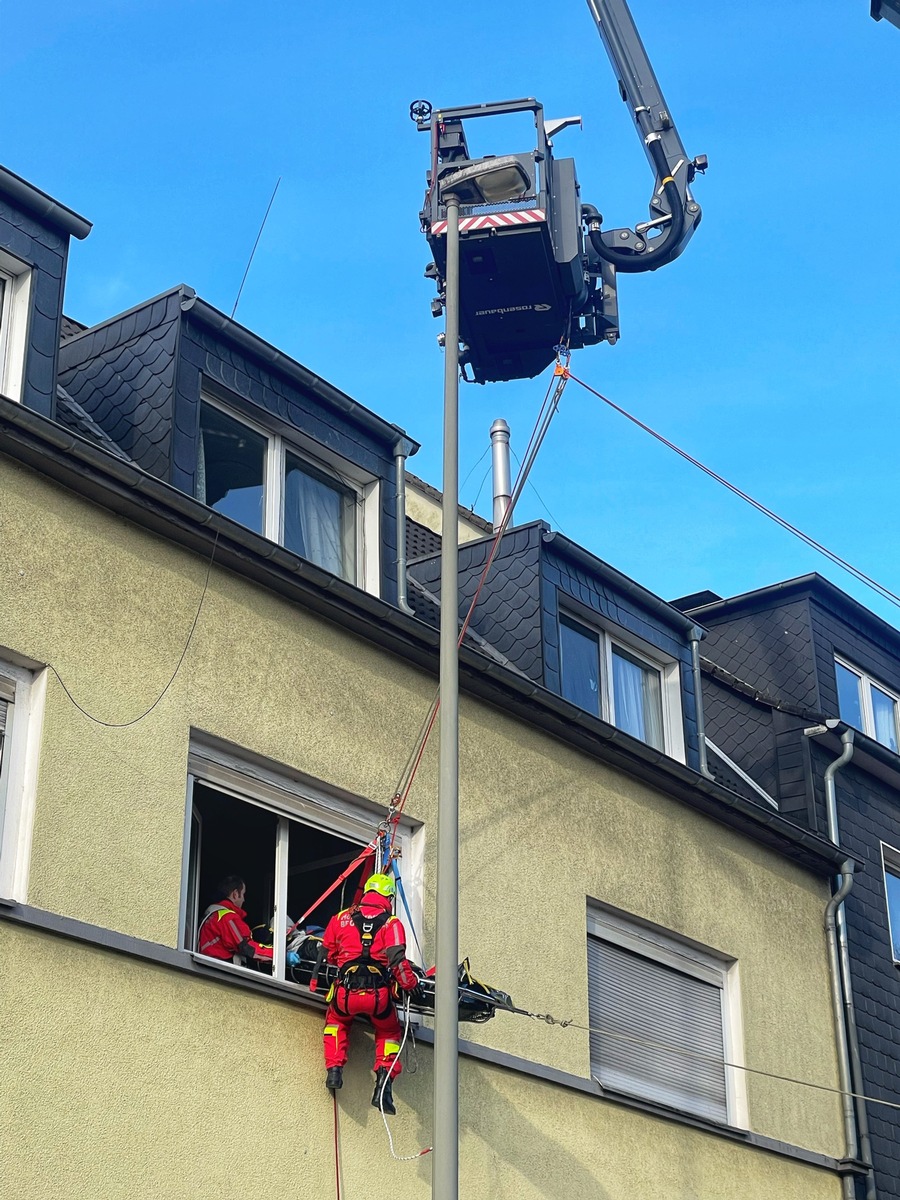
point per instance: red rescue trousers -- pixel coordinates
(378, 1006)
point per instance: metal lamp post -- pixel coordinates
(485, 182)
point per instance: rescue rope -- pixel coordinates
(546, 413)
(858, 574)
(570, 1023)
(419, 1153)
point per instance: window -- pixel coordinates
(21, 705)
(665, 1018)
(622, 684)
(288, 838)
(15, 290)
(890, 861)
(866, 705)
(258, 480)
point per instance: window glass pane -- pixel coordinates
(318, 518)
(637, 698)
(849, 702)
(884, 711)
(655, 1032)
(580, 662)
(892, 887)
(231, 468)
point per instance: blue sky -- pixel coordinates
(769, 350)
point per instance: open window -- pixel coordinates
(288, 839)
(629, 685)
(665, 1018)
(312, 503)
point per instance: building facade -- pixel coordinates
(204, 668)
(795, 675)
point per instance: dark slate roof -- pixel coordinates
(507, 615)
(70, 414)
(122, 372)
(69, 327)
(802, 585)
(421, 542)
(724, 774)
(33, 200)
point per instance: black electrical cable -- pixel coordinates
(861, 576)
(148, 711)
(664, 248)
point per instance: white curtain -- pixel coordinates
(637, 700)
(884, 712)
(312, 519)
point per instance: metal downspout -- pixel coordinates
(401, 452)
(696, 634)
(848, 1185)
(844, 964)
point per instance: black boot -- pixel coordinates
(382, 1097)
(334, 1079)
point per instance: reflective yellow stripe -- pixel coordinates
(391, 1047)
(332, 1029)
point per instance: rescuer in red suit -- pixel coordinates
(367, 944)
(224, 932)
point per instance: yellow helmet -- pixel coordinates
(382, 884)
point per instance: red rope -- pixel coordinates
(561, 374)
(340, 879)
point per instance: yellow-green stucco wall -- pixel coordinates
(118, 1062)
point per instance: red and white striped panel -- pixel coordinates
(527, 216)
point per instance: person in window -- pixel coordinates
(367, 944)
(224, 932)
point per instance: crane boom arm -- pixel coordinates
(674, 212)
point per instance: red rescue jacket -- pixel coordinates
(342, 942)
(224, 933)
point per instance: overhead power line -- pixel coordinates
(856, 572)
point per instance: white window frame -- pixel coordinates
(15, 308)
(293, 798)
(24, 691)
(868, 713)
(668, 669)
(690, 958)
(890, 864)
(346, 476)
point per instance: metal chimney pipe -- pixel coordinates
(501, 474)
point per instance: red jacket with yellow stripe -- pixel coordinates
(225, 933)
(343, 944)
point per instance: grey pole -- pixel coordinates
(445, 1164)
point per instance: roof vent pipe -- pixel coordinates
(501, 474)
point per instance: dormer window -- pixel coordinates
(277, 489)
(15, 287)
(633, 687)
(867, 705)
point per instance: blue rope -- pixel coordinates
(402, 895)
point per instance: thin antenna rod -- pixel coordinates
(253, 251)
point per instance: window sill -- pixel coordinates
(218, 965)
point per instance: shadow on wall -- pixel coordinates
(521, 1159)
